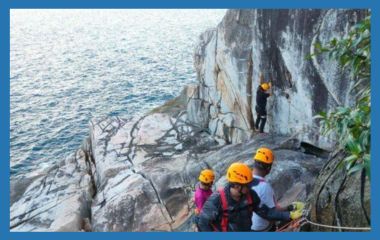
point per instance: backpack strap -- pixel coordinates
(256, 181)
(249, 199)
(224, 222)
(250, 203)
(223, 199)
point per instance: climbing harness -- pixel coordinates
(223, 198)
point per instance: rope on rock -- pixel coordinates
(302, 221)
(336, 227)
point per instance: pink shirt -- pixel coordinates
(201, 196)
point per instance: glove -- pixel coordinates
(298, 206)
(295, 214)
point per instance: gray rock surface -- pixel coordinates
(132, 176)
(230, 59)
(139, 174)
(58, 201)
(340, 199)
(153, 191)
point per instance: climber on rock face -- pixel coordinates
(263, 161)
(261, 103)
(230, 208)
(203, 191)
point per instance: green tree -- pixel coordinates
(352, 124)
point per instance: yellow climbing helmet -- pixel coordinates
(206, 176)
(265, 86)
(264, 155)
(239, 173)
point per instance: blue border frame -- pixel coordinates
(5, 116)
(190, 4)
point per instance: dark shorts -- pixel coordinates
(261, 111)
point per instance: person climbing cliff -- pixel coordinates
(263, 160)
(202, 192)
(261, 103)
(203, 189)
(230, 208)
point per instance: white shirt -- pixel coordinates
(265, 192)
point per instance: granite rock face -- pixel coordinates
(276, 43)
(340, 199)
(154, 191)
(58, 201)
(139, 174)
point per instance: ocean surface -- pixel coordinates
(69, 66)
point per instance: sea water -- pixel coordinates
(69, 66)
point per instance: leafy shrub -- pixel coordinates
(352, 125)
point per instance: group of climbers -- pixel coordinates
(246, 203)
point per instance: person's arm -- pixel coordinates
(209, 213)
(287, 208)
(292, 207)
(279, 208)
(272, 202)
(272, 213)
(198, 199)
(268, 213)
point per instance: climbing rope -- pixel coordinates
(336, 227)
(292, 224)
(302, 221)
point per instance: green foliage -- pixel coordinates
(352, 125)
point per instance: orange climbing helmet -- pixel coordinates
(264, 155)
(206, 176)
(239, 173)
(265, 86)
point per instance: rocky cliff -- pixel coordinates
(139, 174)
(276, 43)
(340, 199)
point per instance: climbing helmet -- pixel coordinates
(264, 155)
(206, 176)
(265, 86)
(239, 173)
